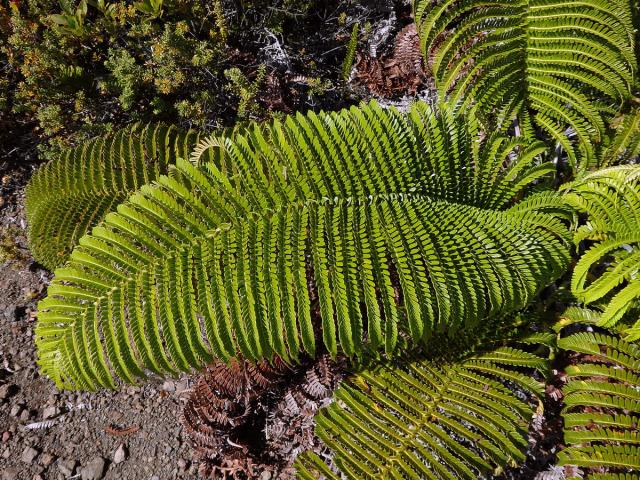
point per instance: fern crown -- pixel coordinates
(380, 224)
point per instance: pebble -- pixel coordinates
(8, 390)
(120, 455)
(6, 436)
(15, 410)
(182, 385)
(10, 313)
(10, 473)
(266, 475)
(28, 454)
(94, 470)
(49, 412)
(47, 459)
(66, 467)
(77, 437)
(169, 386)
(25, 415)
(133, 390)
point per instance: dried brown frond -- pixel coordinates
(290, 427)
(399, 73)
(244, 417)
(222, 400)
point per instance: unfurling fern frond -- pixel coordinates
(68, 196)
(556, 65)
(431, 419)
(362, 225)
(602, 406)
(611, 199)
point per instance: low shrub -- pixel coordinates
(85, 68)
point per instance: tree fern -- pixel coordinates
(378, 223)
(67, 197)
(602, 406)
(430, 419)
(611, 199)
(558, 65)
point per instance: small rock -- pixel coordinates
(169, 386)
(133, 390)
(94, 470)
(15, 410)
(10, 473)
(120, 455)
(28, 454)
(6, 436)
(77, 437)
(66, 467)
(266, 475)
(10, 313)
(182, 464)
(38, 477)
(49, 412)
(47, 459)
(182, 385)
(25, 415)
(8, 390)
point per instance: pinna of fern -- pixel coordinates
(623, 142)
(564, 68)
(610, 198)
(68, 196)
(363, 225)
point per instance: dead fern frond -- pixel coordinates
(399, 73)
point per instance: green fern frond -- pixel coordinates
(577, 315)
(429, 419)
(73, 193)
(376, 222)
(611, 199)
(559, 65)
(624, 144)
(602, 406)
(349, 59)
